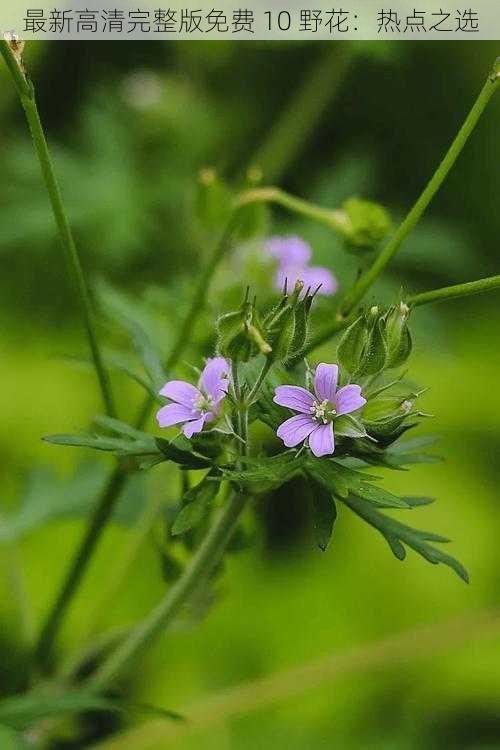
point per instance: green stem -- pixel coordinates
(301, 114)
(356, 294)
(332, 218)
(202, 564)
(27, 96)
(458, 290)
(101, 515)
(200, 292)
(109, 497)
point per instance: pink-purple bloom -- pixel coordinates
(293, 256)
(317, 411)
(195, 406)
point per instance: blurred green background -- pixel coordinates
(130, 126)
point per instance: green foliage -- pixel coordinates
(20, 711)
(324, 514)
(263, 474)
(195, 504)
(398, 535)
(133, 443)
(47, 498)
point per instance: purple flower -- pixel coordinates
(318, 411)
(192, 405)
(293, 256)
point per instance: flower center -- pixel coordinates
(203, 403)
(323, 412)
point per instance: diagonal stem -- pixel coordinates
(110, 494)
(202, 564)
(365, 281)
(26, 93)
(457, 290)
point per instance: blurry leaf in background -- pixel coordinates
(48, 497)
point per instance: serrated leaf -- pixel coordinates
(335, 477)
(398, 534)
(324, 514)
(380, 497)
(267, 473)
(196, 503)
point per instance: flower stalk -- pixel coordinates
(457, 290)
(27, 97)
(365, 281)
(117, 480)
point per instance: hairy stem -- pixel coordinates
(107, 501)
(202, 564)
(301, 114)
(27, 96)
(457, 290)
(365, 281)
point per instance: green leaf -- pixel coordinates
(180, 451)
(351, 344)
(380, 497)
(349, 426)
(335, 477)
(48, 497)
(263, 474)
(398, 534)
(20, 711)
(325, 513)
(128, 315)
(12, 740)
(196, 503)
(417, 502)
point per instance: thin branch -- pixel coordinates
(26, 93)
(365, 281)
(458, 290)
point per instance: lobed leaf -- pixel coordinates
(398, 535)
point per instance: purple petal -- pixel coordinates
(196, 425)
(348, 399)
(296, 429)
(294, 397)
(290, 251)
(325, 381)
(215, 378)
(317, 276)
(321, 441)
(289, 273)
(175, 413)
(181, 392)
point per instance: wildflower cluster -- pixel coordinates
(356, 406)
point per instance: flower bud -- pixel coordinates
(214, 200)
(286, 324)
(363, 349)
(386, 418)
(398, 337)
(365, 223)
(241, 334)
